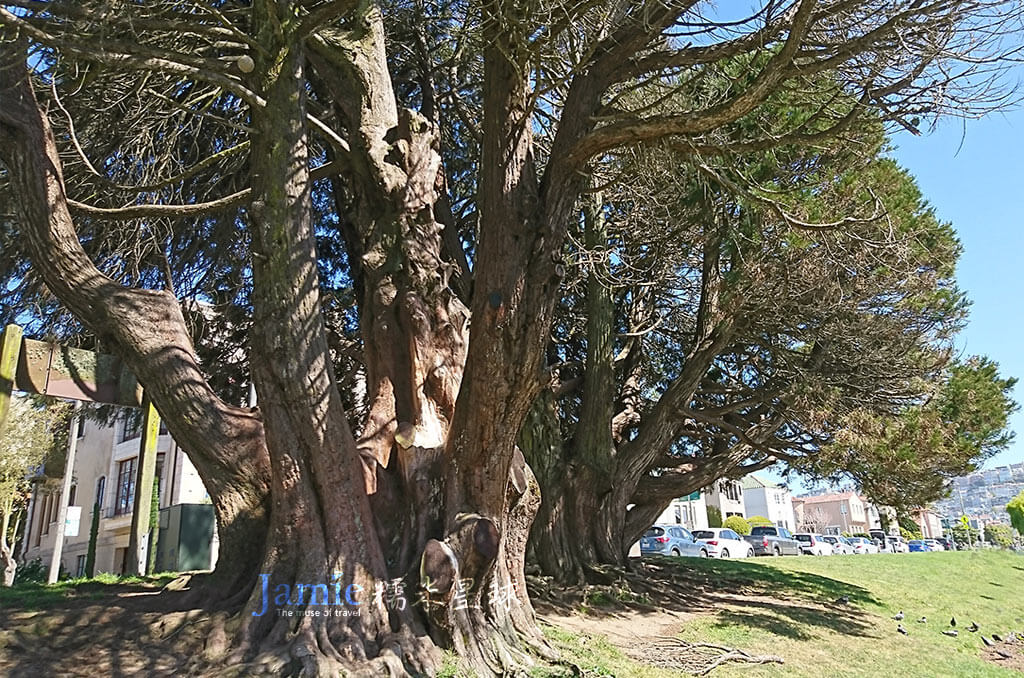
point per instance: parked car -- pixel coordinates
(773, 541)
(724, 543)
(840, 545)
(671, 540)
(947, 543)
(935, 544)
(897, 544)
(863, 545)
(814, 544)
(918, 545)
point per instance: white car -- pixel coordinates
(724, 543)
(935, 544)
(862, 545)
(813, 544)
(839, 544)
(897, 544)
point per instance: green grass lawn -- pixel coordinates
(781, 613)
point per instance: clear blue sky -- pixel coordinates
(972, 173)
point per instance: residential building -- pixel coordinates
(835, 513)
(774, 502)
(726, 495)
(689, 511)
(929, 522)
(104, 476)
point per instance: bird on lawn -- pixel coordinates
(1004, 655)
(952, 633)
(996, 638)
(973, 628)
(952, 621)
(843, 600)
(922, 620)
(899, 627)
(988, 643)
(898, 616)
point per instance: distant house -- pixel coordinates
(690, 511)
(930, 523)
(774, 502)
(835, 513)
(104, 475)
(727, 496)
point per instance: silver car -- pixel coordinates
(671, 540)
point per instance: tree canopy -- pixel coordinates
(463, 250)
(27, 442)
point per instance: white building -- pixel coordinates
(104, 476)
(774, 502)
(690, 511)
(726, 495)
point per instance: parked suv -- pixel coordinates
(724, 543)
(671, 540)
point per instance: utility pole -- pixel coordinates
(963, 514)
(65, 495)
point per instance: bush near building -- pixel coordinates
(737, 524)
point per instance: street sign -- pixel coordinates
(73, 521)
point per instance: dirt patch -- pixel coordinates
(129, 633)
(1008, 654)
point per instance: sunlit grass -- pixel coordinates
(31, 596)
(800, 623)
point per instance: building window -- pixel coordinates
(131, 427)
(72, 494)
(81, 425)
(125, 487)
(80, 567)
(101, 486)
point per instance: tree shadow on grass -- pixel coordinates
(744, 593)
(100, 629)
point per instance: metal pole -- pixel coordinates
(65, 494)
(963, 512)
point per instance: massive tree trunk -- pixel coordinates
(597, 487)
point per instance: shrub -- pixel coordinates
(31, 572)
(759, 521)
(737, 524)
(714, 517)
(1016, 510)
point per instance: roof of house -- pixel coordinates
(826, 498)
(752, 482)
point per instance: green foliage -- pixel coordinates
(907, 460)
(909, 534)
(965, 536)
(1000, 535)
(759, 521)
(28, 442)
(32, 572)
(94, 530)
(737, 524)
(909, 529)
(1016, 510)
(714, 517)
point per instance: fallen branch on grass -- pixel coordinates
(698, 659)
